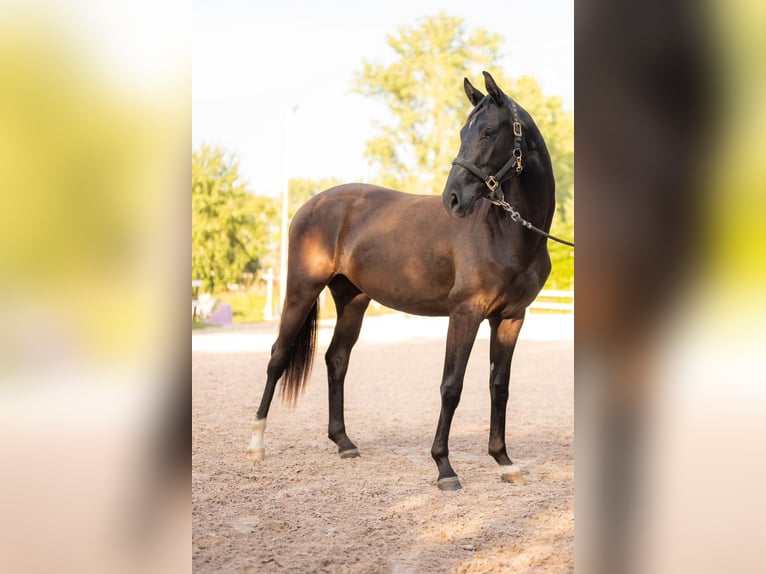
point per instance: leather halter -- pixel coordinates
(493, 182)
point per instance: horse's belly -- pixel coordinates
(395, 292)
(405, 275)
(413, 306)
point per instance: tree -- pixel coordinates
(420, 88)
(230, 226)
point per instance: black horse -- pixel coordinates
(464, 256)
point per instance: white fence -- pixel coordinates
(553, 300)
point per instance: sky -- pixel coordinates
(272, 82)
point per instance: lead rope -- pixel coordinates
(515, 216)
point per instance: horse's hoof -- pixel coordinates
(449, 483)
(512, 474)
(256, 454)
(350, 453)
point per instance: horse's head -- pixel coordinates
(493, 148)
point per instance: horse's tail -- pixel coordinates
(301, 358)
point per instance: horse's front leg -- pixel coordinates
(504, 334)
(461, 334)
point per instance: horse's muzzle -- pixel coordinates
(452, 205)
(455, 206)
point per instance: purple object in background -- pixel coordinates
(221, 316)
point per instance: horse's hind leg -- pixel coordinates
(298, 306)
(351, 305)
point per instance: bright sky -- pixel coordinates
(253, 62)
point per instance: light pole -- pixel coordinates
(289, 111)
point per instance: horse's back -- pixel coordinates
(350, 198)
(349, 207)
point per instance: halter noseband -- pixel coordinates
(493, 182)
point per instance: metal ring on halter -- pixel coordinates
(492, 183)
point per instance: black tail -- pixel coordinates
(301, 359)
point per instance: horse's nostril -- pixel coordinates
(453, 202)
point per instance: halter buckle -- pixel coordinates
(517, 129)
(492, 183)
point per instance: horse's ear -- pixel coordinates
(493, 89)
(474, 95)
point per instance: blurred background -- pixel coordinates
(94, 224)
(670, 272)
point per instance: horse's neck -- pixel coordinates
(522, 245)
(505, 240)
(534, 200)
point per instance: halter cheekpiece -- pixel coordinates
(494, 182)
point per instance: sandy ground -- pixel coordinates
(304, 509)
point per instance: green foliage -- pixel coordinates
(246, 306)
(230, 226)
(562, 256)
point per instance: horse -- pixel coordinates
(462, 255)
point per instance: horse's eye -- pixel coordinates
(489, 133)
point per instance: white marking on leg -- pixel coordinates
(512, 473)
(512, 468)
(256, 448)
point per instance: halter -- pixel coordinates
(493, 182)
